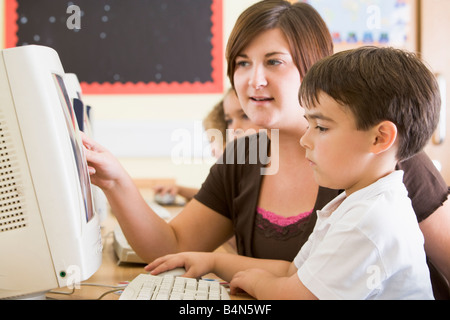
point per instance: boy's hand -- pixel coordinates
(247, 281)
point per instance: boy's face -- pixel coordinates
(337, 151)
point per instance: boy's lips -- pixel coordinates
(311, 163)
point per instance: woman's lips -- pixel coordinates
(261, 99)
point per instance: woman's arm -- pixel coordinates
(196, 228)
(437, 238)
(428, 192)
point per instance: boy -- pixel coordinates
(367, 109)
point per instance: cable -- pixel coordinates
(122, 286)
(108, 292)
(116, 288)
(63, 293)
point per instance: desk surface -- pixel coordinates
(110, 273)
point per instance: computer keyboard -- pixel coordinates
(169, 287)
(122, 248)
(159, 210)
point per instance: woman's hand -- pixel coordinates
(196, 264)
(104, 169)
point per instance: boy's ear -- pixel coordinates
(385, 135)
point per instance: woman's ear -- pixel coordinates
(385, 135)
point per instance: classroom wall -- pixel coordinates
(136, 127)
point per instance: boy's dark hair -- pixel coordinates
(379, 84)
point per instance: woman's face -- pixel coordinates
(267, 82)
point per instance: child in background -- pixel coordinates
(367, 109)
(237, 122)
(214, 120)
(226, 118)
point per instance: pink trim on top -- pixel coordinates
(280, 220)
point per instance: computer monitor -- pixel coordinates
(49, 230)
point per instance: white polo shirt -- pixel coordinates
(367, 246)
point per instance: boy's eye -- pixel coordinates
(321, 129)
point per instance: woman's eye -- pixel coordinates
(241, 63)
(274, 62)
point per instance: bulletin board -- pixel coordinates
(127, 47)
(370, 22)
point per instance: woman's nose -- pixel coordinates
(258, 78)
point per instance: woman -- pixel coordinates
(271, 48)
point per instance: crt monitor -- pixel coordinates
(49, 230)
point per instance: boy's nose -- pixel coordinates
(305, 141)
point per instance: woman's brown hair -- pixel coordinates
(308, 35)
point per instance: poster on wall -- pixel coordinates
(369, 22)
(127, 47)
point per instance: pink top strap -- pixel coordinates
(280, 220)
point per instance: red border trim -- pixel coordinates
(11, 27)
(214, 86)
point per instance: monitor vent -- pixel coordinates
(12, 215)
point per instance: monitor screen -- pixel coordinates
(72, 128)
